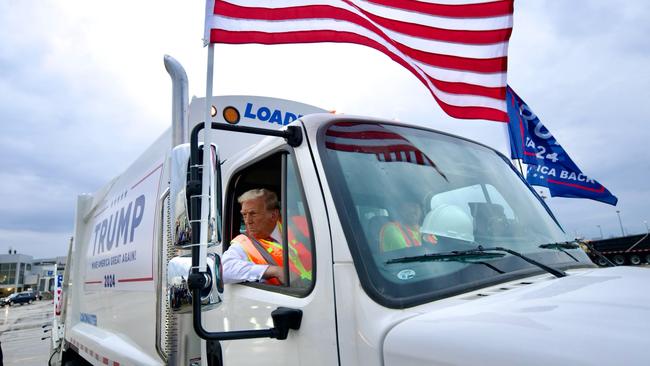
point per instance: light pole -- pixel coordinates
(601, 231)
(645, 222)
(618, 213)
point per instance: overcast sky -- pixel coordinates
(83, 91)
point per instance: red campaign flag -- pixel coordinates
(458, 51)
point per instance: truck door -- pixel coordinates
(248, 305)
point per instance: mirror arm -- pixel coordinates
(284, 319)
(293, 134)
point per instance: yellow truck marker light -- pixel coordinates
(231, 115)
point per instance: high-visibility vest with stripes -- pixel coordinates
(299, 257)
(407, 237)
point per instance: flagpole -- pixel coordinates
(521, 168)
(207, 152)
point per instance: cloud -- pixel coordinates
(67, 127)
(37, 243)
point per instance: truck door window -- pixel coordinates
(266, 173)
(298, 232)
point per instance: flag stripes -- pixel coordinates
(387, 146)
(465, 10)
(459, 52)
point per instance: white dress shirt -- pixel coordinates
(237, 267)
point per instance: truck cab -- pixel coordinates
(496, 270)
(346, 183)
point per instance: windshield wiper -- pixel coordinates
(599, 254)
(479, 253)
(463, 257)
(555, 272)
(561, 247)
(454, 256)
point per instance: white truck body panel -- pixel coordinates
(114, 281)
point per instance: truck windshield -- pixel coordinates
(405, 192)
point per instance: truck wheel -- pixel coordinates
(601, 262)
(635, 259)
(74, 362)
(70, 358)
(647, 258)
(619, 260)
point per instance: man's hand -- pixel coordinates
(274, 272)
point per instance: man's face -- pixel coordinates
(259, 221)
(411, 213)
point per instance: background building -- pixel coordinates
(21, 272)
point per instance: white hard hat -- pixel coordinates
(449, 221)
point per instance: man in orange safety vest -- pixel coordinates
(405, 233)
(256, 255)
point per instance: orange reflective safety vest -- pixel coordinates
(267, 251)
(402, 236)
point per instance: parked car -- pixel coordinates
(22, 298)
(5, 300)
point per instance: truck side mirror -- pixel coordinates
(179, 207)
(178, 291)
(180, 266)
(179, 198)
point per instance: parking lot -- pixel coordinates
(21, 330)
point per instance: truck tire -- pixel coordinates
(70, 358)
(647, 258)
(619, 260)
(601, 262)
(75, 362)
(635, 259)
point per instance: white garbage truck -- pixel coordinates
(485, 275)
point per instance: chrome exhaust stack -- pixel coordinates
(176, 343)
(180, 101)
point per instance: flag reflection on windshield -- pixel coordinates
(386, 145)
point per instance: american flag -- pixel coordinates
(366, 138)
(456, 48)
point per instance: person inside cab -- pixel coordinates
(256, 256)
(405, 231)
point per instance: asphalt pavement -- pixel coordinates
(21, 330)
